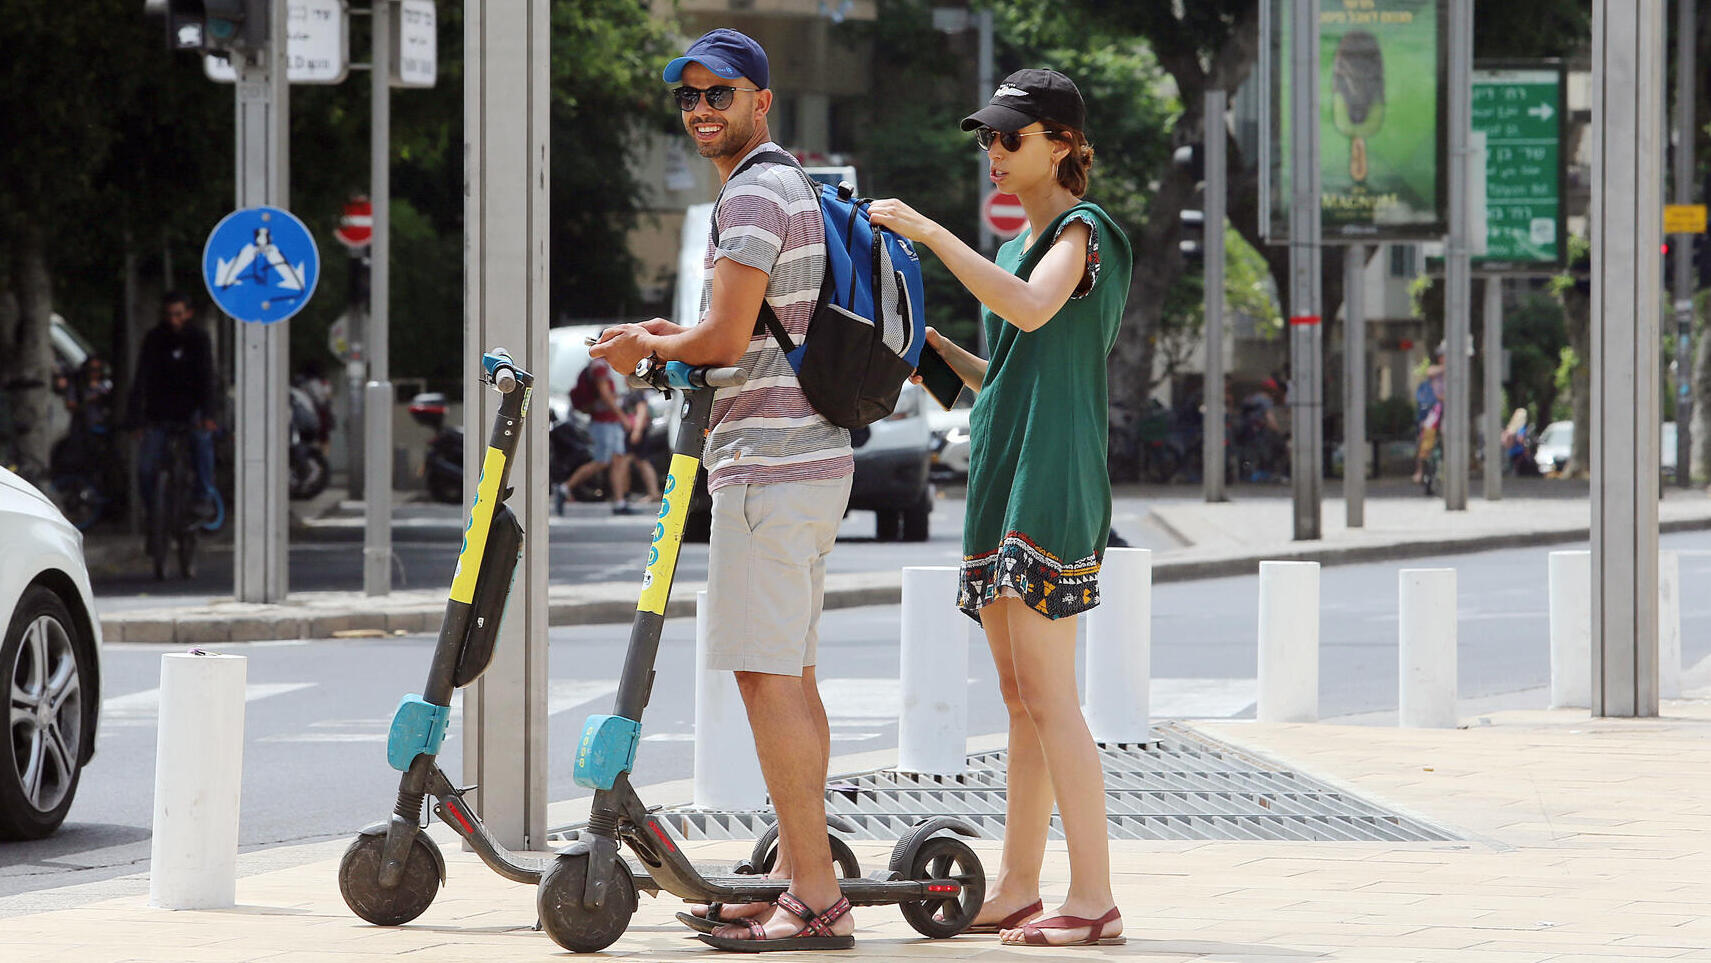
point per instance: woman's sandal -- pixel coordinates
(1007, 923)
(815, 934)
(1033, 934)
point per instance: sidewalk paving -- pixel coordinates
(1228, 538)
(1583, 839)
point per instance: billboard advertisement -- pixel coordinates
(1382, 104)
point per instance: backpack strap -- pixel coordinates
(767, 319)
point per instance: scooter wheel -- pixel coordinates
(359, 881)
(765, 854)
(945, 857)
(578, 928)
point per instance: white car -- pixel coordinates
(950, 438)
(51, 660)
(1556, 443)
(892, 460)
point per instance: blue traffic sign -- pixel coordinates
(260, 264)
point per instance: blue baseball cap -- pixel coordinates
(728, 53)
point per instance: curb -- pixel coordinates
(614, 602)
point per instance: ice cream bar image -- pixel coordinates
(1357, 95)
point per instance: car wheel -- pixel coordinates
(45, 675)
(915, 523)
(887, 524)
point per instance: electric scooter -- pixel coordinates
(392, 871)
(588, 893)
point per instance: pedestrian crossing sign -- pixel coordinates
(260, 264)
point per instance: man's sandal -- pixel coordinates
(714, 919)
(815, 934)
(1007, 923)
(1034, 934)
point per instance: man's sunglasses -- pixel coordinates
(718, 97)
(1012, 141)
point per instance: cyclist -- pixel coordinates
(1429, 413)
(175, 385)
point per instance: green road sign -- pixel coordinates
(1520, 111)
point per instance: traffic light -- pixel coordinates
(218, 25)
(1701, 261)
(1191, 160)
(1193, 242)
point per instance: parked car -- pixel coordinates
(950, 439)
(50, 660)
(1556, 443)
(892, 457)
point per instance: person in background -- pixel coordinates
(175, 386)
(638, 442)
(606, 429)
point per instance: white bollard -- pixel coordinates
(727, 769)
(1119, 649)
(198, 782)
(1426, 651)
(1571, 629)
(1288, 642)
(932, 727)
(1669, 625)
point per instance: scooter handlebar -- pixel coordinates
(684, 377)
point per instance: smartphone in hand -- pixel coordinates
(937, 377)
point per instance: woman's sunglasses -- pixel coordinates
(718, 97)
(1011, 140)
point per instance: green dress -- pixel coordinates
(1039, 493)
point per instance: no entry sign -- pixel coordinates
(1004, 214)
(356, 225)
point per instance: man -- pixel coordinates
(778, 471)
(606, 430)
(175, 386)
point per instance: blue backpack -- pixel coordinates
(865, 336)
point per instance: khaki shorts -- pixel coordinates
(766, 573)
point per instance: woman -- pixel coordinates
(1039, 497)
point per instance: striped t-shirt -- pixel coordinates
(766, 431)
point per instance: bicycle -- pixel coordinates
(172, 517)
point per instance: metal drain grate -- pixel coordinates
(1184, 786)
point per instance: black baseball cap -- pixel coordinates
(728, 53)
(1029, 95)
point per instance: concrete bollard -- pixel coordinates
(727, 770)
(1288, 642)
(1669, 625)
(1426, 651)
(1571, 629)
(198, 782)
(932, 728)
(1119, 649)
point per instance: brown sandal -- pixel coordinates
(1007, 923)
(1033, 934)
(815, 934)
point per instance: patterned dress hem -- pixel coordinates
(1044, 583)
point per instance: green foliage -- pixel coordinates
(1390, 419)
(1563, 378)
(1535, 335)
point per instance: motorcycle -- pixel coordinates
(442, 463)
(309, 471)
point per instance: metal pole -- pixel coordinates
(506, 55)
(1458, 424)
(1306, 383)
(377, 394)
(259, 561)
(1686, 134)
(1212, 386)
(1494, 415)
(1354, 384)
(1628, 55)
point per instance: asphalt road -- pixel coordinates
(587, 544)
(315, 730)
